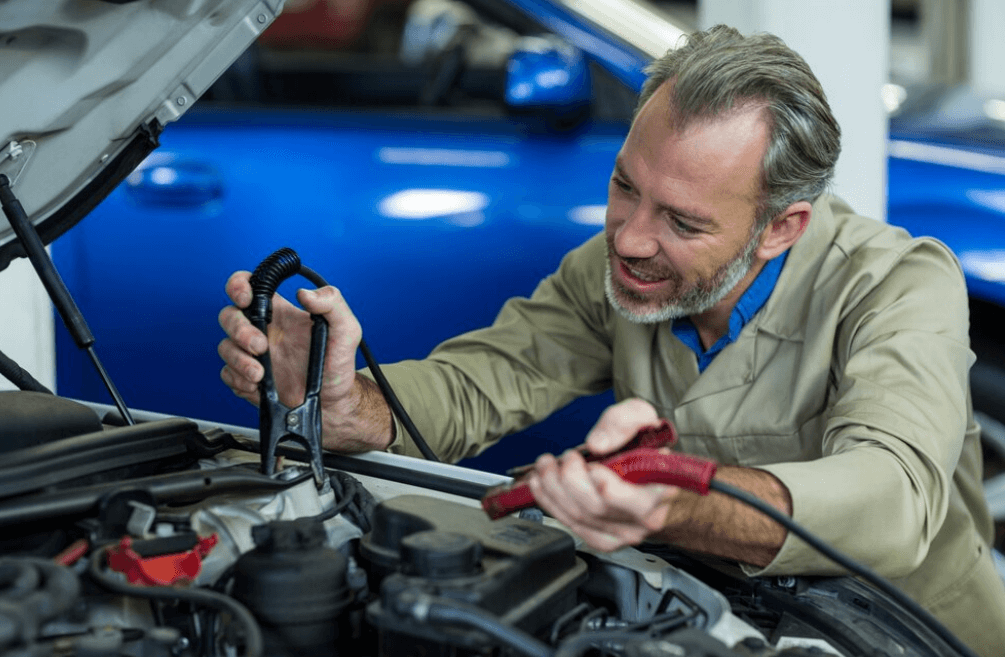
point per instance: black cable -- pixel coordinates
(566, 619)
(341, 505)
(19, 376)
(382, 382)
(452, 613)
(355, 502)
(426, 608)
(845, 562)
(578, 644)
(204, 597)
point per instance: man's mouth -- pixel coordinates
(640, 277)
(643, 276)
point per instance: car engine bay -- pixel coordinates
(165, 538)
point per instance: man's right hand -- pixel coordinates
(355, 417)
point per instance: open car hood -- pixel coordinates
(86, 86)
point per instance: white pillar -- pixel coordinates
(847, 44)
(987, 48)
(27, 331)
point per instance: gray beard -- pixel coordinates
(696, 300)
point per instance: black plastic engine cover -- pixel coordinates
(524, 573)
(30, 419)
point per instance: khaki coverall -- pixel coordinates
(850, 385)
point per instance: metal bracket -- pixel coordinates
(14, 157)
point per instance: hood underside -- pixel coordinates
(86, 86)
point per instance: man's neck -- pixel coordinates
(714, 322)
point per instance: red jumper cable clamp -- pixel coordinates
(644, 460)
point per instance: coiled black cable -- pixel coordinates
(847, 563)
(265, 280)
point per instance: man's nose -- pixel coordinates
(638, 235)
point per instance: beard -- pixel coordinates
(680, 301)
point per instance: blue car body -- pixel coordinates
(427, 219)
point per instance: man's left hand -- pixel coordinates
(607, 512)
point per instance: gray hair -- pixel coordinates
(720, 70)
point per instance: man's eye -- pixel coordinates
(683, 228)
(622, 185)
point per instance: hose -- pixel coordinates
(19, 376)
(203, 597)
(429, 609)
(34, 590)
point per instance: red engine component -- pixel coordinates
(159, 569)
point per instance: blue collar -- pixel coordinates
(750, 302)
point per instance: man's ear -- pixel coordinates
(785, 230)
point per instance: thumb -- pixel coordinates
(619, 424)
(329, 303)
(317, 302)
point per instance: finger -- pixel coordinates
(600, 540)
(641, 508)
(242, 332)
(240, 292)
(591, 527)
(344, 331)
(607, 512)
(574, 482)
(564, 489)
(545, 468)
(239, 288)
(241, 363)
(240, 386)
(619, 423)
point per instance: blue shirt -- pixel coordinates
(750, 302)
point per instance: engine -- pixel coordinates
(165, 539)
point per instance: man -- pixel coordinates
(820, 357)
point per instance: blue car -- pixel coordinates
(431, 158)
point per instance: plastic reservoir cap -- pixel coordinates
(441, 555)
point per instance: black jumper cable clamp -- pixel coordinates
(278, 422)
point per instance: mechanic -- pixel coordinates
(822, 358)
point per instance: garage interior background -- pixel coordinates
(860, 49)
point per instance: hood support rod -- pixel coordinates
(54, 285)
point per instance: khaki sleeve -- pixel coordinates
(896, 423)
(538, 355)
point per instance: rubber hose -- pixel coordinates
(19, 376)
(203, 597)
(41, 590)
(454, 612)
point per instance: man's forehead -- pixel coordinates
(720, 155)
(666, 102)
